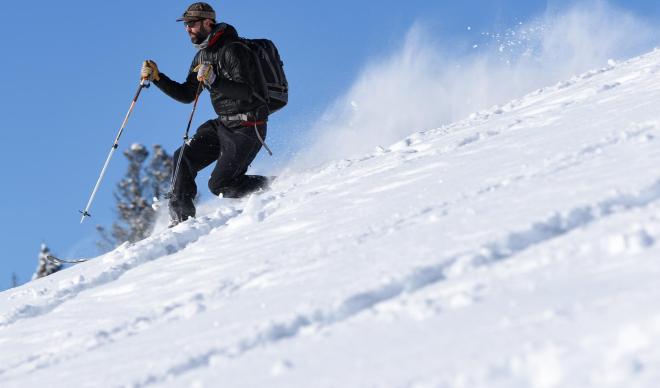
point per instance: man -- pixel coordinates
(233, 139)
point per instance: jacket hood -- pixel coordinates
(220, 32)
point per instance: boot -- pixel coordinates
(246, 185)
(181, 209)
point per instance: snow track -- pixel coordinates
(538, 233)
(517, 248)
(117, 263)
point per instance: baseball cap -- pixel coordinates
(197, 11)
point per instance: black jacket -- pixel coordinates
(232, 91)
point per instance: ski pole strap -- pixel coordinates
(56, 260)
(261, 139)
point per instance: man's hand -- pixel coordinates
(205, 73)
(149, 71)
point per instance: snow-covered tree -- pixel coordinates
(14, 280)
(159, 172)
(45, 266)
(135, 195)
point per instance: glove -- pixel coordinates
(149, 71)
(205, 73)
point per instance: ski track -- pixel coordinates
(538, 233)
(504, 248)
(164, 244)
(532, 111)
(184, 308)
(512, 244)
(635, 132)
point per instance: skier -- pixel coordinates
(234, 138)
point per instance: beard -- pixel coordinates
(199, 37)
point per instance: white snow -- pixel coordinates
(517, 248)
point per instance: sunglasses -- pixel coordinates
(192, 23)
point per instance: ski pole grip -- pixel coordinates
(145, 83)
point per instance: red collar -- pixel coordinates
(215, 38)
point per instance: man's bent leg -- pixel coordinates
(239, 147)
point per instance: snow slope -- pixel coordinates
(517, 248)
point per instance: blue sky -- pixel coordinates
(71, 68)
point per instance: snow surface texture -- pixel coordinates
(517, 248)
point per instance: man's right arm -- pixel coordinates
(184, 92)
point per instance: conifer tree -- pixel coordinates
(45, 266)
(159, 172)
(135, 195)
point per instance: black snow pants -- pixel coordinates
(233, 148)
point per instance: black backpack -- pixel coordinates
(274, 88)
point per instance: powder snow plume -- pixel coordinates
(423, 85)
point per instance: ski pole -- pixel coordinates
(185, 139)
(144, 83)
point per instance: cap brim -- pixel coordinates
(189, 19)
(196, 15)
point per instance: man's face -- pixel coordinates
(198, 30)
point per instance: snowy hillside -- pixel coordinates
(516, 248)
